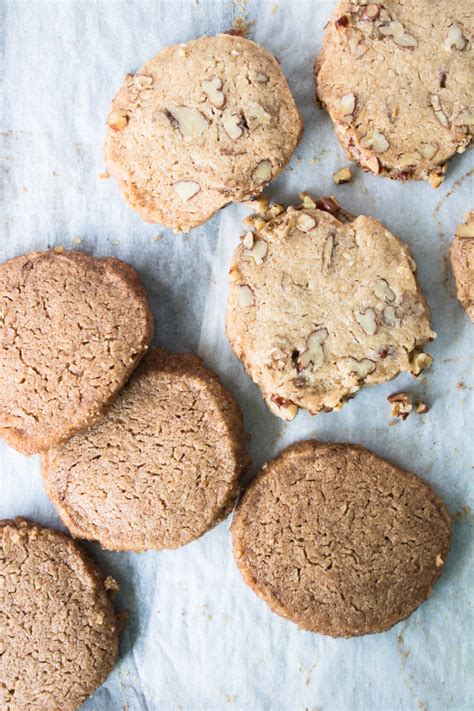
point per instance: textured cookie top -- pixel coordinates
(163, 465)
(322, 303)
(462, 260)
(338, 540)
(58, 628)
(200, 125)
(397, 78)
(72, 329)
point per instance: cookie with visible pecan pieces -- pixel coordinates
(200, 125)
(462, 261)
(321, 303)
(397, 78)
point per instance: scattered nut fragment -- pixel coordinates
(361, 368)
(420, 361)
(435, 179)
(258, 251)
(375, 140)
(305, 222)
(263, 172)
(383, 291)
(346, 107)
(328, 204)
(428, 150)
(213, 90)
(281, 407)
(402, 404)
(390, 318)
(232, 124)
(314, 350)
(143, 81)
(191, 123)
(373, 164)
(464, 118)
(327, 252)
(117, 120)
(186, 189)
(421, 408)
(342, 176)
(455, 38)
(257, 116)
(258, 204)
(396, 30)
(235, 275)
(246, 296)
(366, 320)
(409, 160)
(307, 201)
(248, 240)
(355, 42)
(439, 113)
(370, 12)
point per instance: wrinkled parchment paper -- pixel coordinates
(196, 637)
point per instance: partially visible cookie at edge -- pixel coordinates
(397, 79)
(322, 303)
(162, 466)
(462, 261)
(73, 327)
(200, 125)
(58, 628)
(338, 540)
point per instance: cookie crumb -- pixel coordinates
(342, 176)
(402, 404)
(104, 176)
(421, 408)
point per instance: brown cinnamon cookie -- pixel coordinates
(462, 261)
(338, 540)
(72, 328)
(58, 628)
(322, 303)
(397, 78)
(163, 465)
(200, 125)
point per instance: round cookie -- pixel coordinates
(161, 468)
(321, 303)
(397, 79)
(200, 125)
(58, 628)
(338, 540)
(462, 262)
(73, 328)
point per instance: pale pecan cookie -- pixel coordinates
(338, 540)
(72, 328)
(321, 303)
(200, 125)
(58, 628)
(397, 78)
(462, 261)
(163, 465)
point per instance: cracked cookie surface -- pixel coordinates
(397, 78)
(338, 540)
(58, 628)
(462, 261)
(73, 328)
(200, 125)
(163, 465)
(321, 303)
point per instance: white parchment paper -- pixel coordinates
(196, 637)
